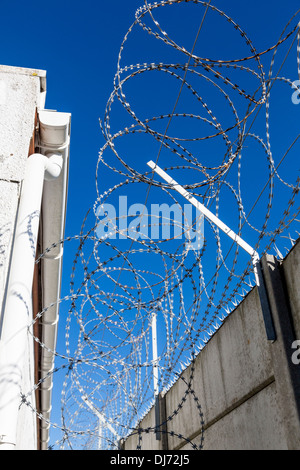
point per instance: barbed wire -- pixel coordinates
(122, 275)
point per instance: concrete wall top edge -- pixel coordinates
(23, 71)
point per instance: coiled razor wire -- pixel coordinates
(124, 277)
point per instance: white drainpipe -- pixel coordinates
(54, 135)
(17, 314)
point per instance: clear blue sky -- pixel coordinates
(77, 43)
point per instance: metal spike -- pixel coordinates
(292, 240)
(278, 252)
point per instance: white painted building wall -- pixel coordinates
(22, 92)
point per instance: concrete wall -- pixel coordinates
(243, 391)
(21, 93)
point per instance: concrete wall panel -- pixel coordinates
(254, 425)
(237, 388)
(291, 269)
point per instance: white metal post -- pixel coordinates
(101, 417)
(206, 212)
(154, 354)
(100, 431)
(236, 238)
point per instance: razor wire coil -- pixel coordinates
(115, 288)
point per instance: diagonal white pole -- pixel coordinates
(100, 416)
(254, 255)
(207, 213)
